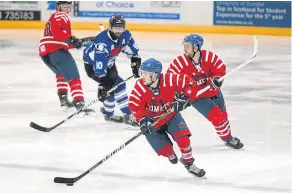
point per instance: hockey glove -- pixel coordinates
(180, 102)
(102, 92)
(145, 125)
(135, 65)
(77, 43)
(215, 83)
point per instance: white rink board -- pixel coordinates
(191, 12)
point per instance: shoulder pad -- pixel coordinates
(127, 34)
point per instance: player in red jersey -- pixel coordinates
(53, 49)
(206, 68)
(153, 95)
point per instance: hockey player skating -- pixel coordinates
(206, 68)
(99, 61)
(153, 95)
(53, 49)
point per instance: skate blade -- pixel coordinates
(197, 177)
(238, 149)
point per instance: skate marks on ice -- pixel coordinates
(206, 182)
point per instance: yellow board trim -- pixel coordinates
(158, 28)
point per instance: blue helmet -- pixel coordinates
(194, 40)
(151, 65)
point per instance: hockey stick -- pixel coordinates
(71, 181)
(48, 129)
(101, 27)
(87, 39)
(253, 56)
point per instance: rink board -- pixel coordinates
(219, 17)
(158, 28)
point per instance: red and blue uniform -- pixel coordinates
(210, 103)
(53, 49)
(145, 101)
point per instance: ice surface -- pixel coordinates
(258, 99)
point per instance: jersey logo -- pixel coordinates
(100, 47)
(161, 108)
(201, 80)
(183, 126)
(116, 51)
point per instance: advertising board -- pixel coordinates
(20, 10)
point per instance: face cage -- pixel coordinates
(67, 6)
(121, 31)
(145, 72)
(188, 44)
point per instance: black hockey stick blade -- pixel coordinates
(40, 128)
(61, 180)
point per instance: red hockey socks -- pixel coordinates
(185, 148)
(76, 89)
(62, 85)
(220, 122)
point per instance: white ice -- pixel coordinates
(258, 100)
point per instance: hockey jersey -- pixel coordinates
(103, 51)
(57, 31)
(144, 101)
(211, 66)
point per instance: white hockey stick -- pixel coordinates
(253, 56)
(101, 27)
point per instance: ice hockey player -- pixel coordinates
(153, 95)
(53, 49)
(206, 68)
(100, 65)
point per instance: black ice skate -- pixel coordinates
(113, 118)
(234, 143)
(64, 102)
(192, 169)
(130, 120)
(79, 105)
(173, 158)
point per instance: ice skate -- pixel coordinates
(84, 112)
(173, 158)
(130, 120)
(113, 118)
(64, 102)
(192, 169)
(234, 143)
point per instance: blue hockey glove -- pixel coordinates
(135, 65)
(215, 83)
(145, 125)
(180, 102)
